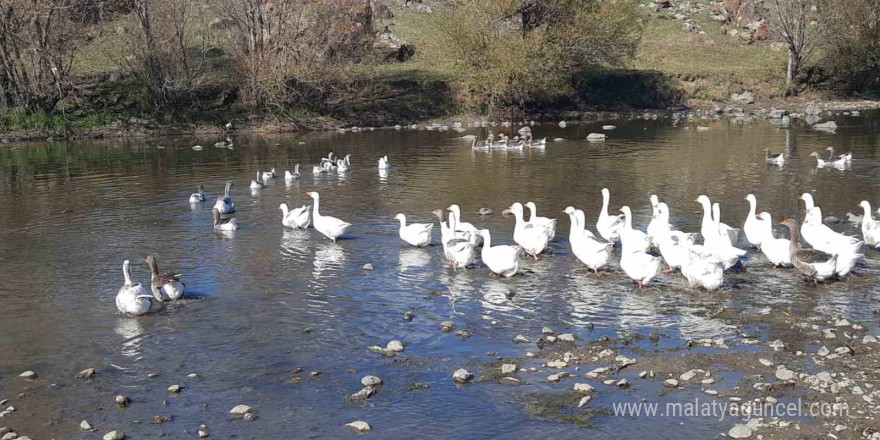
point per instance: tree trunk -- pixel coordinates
(368, 17)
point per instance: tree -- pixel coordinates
(853, 45)
(800, 32)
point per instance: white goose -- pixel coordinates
(775, 159)
(608, 226)
(463, 229)
(330, 227)
(258, 184)
(198, 196)
(416, 234)
(870, 227)
(546, 223)
(318, 169)
(719, 244)
(221, 224)
(457, 250)
(289, 176)
(224, 204)
(384, 164)
(635, 238)
(836, 162)
(847, 249)
(754, 227)
(328, 163)
(132, 298)
(299, 218)
(590, 251)
(268, 175)
(703, 269)
(708, 226)
(342, 166)
(637, 264)
(655, 227)
(533, 239)
(777, 250)
(501, 260)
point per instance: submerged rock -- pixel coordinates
(359, 426)
(446, 326)
(740, 431)
(596, 137)
(583, 388)
(122, 401)
(28, 375)
(364, 394)
(85, 425)
(462, 376)
(240, 410)
(370, 381)
(86, 374)
(114, 435)
(520, 339)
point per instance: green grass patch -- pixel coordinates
(19, 121)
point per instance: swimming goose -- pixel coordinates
(268, 175)
(258, 184)
(753, 227)
(299, 218)
(167, 286)
(288, 176)
(457, 248)
(839, 163)
(708, 227)
(348, 161)
(637, 264)
(533, 239)
(469, 230)
(637, 239)
(847, 249)
(342, 166)
(384, 164)
(811, 263)
(132, 298)
(547, 223)
(702, 268)
(328, 163)
(590, 251)
(608, 226)
(330, 227)
(416, 234)
(318, 169)
(846, 157)
(777, 250)
(775, 159)
(221, 224)
(224, 204)
(870, 227)
(198, 196)
(501, 260)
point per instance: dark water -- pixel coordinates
(70, 214)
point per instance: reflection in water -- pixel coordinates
(413, 258)
(131, 331)
(383, 175)
(329, 258)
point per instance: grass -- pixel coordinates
(15, 120)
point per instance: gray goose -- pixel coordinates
(167, 286)
(811, 263)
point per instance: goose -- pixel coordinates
(269, 175)
(839, 163)
(457, 248)
(702, 268)
(846, 157)
(258, 184)
(224, 204)
(328, 163)
(547, 223)
(481, 146)
(501, 260)
(590, 251)
(299, 218)
(777, 250)
(318, 169)
(469, 230)
(709, 228)
(416, 234)
(811, 263)
(221, 224)
(540, 143)
(288, 176)
(582, 220)
(608, 226)
(667, 229)
(198, 196)
(637, 239)
(348, 161)
(132, 298)
(330, 227)
(674, 248)
(754, 227)
(775, 159)
(719, 244)
(226, 143)
(654, 226)
(870, 227)
(342, 166)
(383, 163)
(847, 249)
(637, 264)
(167, 286)
(532, 239)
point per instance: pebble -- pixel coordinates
(364, 394)
(643, 374)
(608, 382)
(28, 375)
(557, 364)
(766, 362)
(520, 339)
(823, 351)
(671, 383)
(203, 433)
(122, 400)
(688, 375)
(241, 410)
(446, 326)
(370, 381)
(739, 431)
(584, 401)
(509, 381)
(86, 374)
(368, 266)
(546, 331)
(596, 137)
(85, 426)
(192, 375)
(777, 345)
(711, 392)
(114, 435)
(408, 316)
(623, 383)
(783, 373)
(583, 388)
(395, 346)
(596, 372)
(508, 368)
(358, 426)
(558, 376)
(175, 389)
(565, 337)
(462, 376)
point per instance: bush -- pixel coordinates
(853, 45)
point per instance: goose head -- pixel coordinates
(283, 207)
(401, 217)
(705, 203)
(438, 213)
(626, 211)
(532, 207)
(663, 211)
(606, 193)
(568, 210)
(516, 209)
(752, 200)
(654, 201)
(866, 206)
(313, 195)
(765, 216)
(814, 154)
(216, 214)
(201, 188)
(808, 200)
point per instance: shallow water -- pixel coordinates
(265, 300)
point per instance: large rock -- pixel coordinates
(359, 426)
(114, 435)
(740, 431)
(392, 47)
(744, 97)
(826, 126)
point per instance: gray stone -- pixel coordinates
(9, 436)
(565, 337)
(558, 376)
(175, 389)
(826, 126)
(122, 400)
(546, 331)
(85, 426)
(583, 388)
(241, 410)
(596, 137)
(508, 368)
(766, 362)
(557, 364)
(359, 426)
(812, 110)
(509, 381)
(368, 266)
(869, 339)
(370, 381)
(86, 374)
(739, 431)
(395, 346)
(823, 351)
(671, 383)
(28, 375)
(744, 97)
(783, 373)
(364, 394)
(687, 375)
(114, 435)
(520, 339)
(462, 376)
(446, 326)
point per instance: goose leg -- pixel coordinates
(668, 269)
(640, 284)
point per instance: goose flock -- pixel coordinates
(643, 254)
